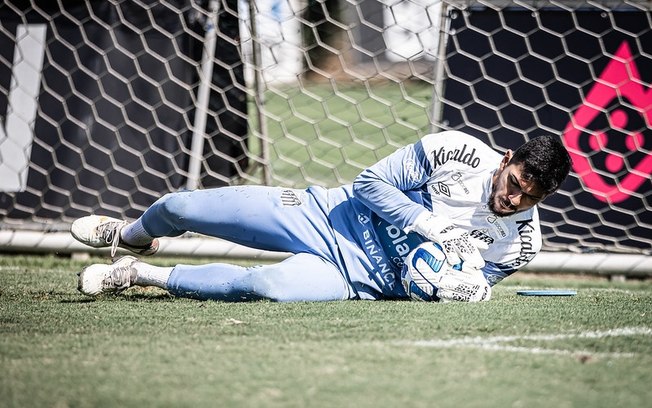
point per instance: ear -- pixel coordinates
(506, 158)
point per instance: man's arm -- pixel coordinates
(494, 273)
(382, 187)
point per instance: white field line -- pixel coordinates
(9, 268)
(46, 270)
(498, 343)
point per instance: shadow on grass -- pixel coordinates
(77, 301)
(121, 298)
(140, 297)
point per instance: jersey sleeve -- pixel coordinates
(389, 186)
(383, 187)
(495, 272)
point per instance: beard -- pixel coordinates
(497, 209)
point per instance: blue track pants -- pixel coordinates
(267, 218)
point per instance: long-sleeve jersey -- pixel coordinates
(448, 173)
(349, 242)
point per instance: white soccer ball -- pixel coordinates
(422, 271)
(427, 276)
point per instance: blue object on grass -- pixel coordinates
(547, 292)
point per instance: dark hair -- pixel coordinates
(545, 161)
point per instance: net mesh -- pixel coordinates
(133, 99)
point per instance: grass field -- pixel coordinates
(145, 349)
(318, 135)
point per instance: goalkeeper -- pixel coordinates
(347, 242)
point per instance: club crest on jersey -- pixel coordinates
(442, 156)
(412, 170)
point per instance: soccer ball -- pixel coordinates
(427, 276)
(423, 269)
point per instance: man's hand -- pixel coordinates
(467, 285)
(458, 244)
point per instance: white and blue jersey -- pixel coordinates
(448, 173)
(349, 242)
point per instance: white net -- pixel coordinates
(107, 105)
(577, 71)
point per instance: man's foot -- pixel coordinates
(99, 231)
(99, 278)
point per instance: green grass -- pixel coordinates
(145, 348)
(323, 135)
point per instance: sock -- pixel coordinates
(135, 234)
(150, 275)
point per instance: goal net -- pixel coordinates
(107, 105)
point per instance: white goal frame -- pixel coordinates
(267, 75)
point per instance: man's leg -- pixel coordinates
(268, 218)
(301, 277)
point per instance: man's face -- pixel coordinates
(511, 193)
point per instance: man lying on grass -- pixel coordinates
(348, 242)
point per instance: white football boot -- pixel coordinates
(97, 279)
(99, 231)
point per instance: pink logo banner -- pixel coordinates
(619, 82)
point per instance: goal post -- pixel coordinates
(107, 105)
